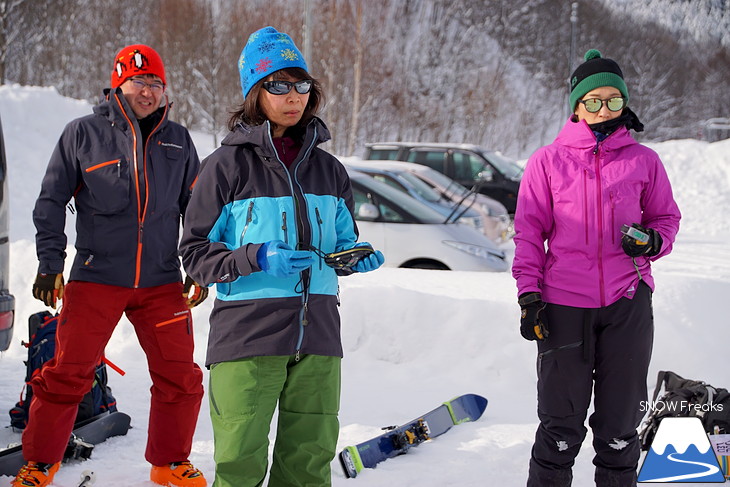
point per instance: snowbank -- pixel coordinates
(412, 338)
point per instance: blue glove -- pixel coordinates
(369, 263)
(280, 260)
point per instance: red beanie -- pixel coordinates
(134, 60)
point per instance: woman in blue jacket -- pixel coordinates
(268, 205)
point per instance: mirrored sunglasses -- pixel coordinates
(593, 105)
(155, 86)
(280, 87)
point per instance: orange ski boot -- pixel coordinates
(178, 474)
(35, 474)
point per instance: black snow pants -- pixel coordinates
(607, 349)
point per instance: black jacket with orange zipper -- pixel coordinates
(129, 197)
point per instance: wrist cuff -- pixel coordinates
(529, 298)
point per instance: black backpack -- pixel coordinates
(686, 397)
(41, 348)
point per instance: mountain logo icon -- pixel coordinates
(681, 452)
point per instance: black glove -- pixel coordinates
(635, 248)
(199, 292)
(533, 322)
(48, 288)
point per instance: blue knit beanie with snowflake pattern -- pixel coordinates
(266, 52)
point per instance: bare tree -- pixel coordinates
(492, 73)
(9, 22)
(357, 76)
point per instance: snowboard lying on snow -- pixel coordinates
(397, 440)
(85, 435)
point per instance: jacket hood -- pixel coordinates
(111, 110)
(258, 135)
(579, 135)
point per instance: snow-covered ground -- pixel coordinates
(412, 338)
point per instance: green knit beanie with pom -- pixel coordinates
(595, 72)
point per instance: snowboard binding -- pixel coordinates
(415, 435)
(78, 449)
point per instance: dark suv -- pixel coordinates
(7, 301)
(490, 172)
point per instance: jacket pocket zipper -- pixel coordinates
(118, 162)
(319, 230)
(249, 217)
(613, 216)
(585, 203)
(283, 227)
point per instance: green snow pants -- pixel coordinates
(243, 395)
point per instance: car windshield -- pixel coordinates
(506, 166)
(448, 185)
(383, 153)
(422, 189)
(419, 210)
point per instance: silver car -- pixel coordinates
(495, 220)
(412, 235)
(416, 188)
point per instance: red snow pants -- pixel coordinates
(90, 313)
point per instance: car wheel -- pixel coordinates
(426, 264)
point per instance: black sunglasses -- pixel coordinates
(278, 87)
(594, 105)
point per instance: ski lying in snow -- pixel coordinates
(85, 435)
(399, 439)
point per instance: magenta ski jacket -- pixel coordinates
(576, 194)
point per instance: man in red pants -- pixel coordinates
(130, 171)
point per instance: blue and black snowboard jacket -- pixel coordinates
(129, 197)
(245, 196)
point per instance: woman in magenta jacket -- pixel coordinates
(586, 295)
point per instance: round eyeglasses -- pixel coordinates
(155, 87)
(594, 105)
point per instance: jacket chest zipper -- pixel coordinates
(585, 203)
(147, 193)
(306, 274)
(599, 214)
(135, 164)
(141, 210)
(300, 213)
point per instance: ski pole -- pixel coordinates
(87, 478)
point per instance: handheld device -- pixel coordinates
(633, 232)
(347, 258)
